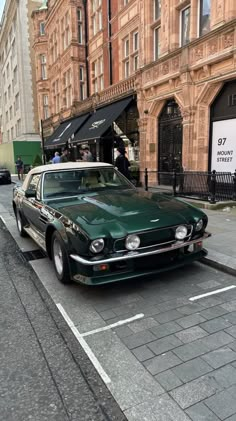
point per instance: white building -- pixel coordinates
(18, 101)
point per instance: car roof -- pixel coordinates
(68, 166)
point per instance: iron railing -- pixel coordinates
(210, 186)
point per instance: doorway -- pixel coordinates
(170, 141)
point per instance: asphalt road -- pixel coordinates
(174, 356)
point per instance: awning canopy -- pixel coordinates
(64, 132)
(100, 121)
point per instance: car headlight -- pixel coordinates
(97, 246)
(199, 225)
(132, 242)
(181, 232)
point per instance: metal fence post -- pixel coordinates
(146, 179)
(174, 182)
(234, 185)
(212, 189)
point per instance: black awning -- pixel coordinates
(100, 121)
(64, 132)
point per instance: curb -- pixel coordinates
(218, 265)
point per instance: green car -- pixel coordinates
(98, 228)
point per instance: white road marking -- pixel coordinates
(3, 220)
(84, 345)
(121, 322)
(217, 291)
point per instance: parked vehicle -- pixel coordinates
(98, 228)
(5, 176)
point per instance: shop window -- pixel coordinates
(185, 26)
(204, 16)
(156, 42)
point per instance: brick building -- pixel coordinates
(167, 67)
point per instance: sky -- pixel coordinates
(2, 2)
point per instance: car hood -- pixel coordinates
(127, 211)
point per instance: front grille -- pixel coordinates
(154, 238)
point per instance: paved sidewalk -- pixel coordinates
(45, 375)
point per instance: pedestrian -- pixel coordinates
(122, 163)
(19, 168)
(87, 156)
(64, 157)
(56, 158)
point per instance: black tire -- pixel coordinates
(60, 259)
(20, 224)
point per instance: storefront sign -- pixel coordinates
(223, 158)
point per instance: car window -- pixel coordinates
(72, 183)
(33, 182)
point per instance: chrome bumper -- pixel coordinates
(137, 254)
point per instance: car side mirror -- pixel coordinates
(30, 193)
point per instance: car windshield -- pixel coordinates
(74, 182)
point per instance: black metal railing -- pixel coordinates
(210, 186)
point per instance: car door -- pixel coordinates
(31, 205)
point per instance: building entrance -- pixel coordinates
(170, 139)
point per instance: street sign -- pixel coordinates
(223, 157)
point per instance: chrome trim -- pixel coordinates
(188, 236)
(136, 254)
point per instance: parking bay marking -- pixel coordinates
(207, 294)
(117, 324)
(84, 345)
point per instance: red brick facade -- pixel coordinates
(181, 53)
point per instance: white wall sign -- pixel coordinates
(223, 158)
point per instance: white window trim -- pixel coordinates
(157, 28)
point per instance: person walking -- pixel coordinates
(19, 168)
(56, 158)
(122, 163)
(87, 156)
(64, 157)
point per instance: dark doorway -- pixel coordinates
(170, 141)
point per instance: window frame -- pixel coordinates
(156, 45)
(182, 11)
(200, 16)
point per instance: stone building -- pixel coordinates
(18, 99)
(171, 62)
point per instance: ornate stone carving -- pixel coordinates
(198, 53)
(219, 9)
(165, 68)
(228, 40)
(212, 47)
(156, 72)
(175, 64)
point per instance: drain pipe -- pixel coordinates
(86, 47)
(109, 41)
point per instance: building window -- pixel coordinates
(8, 135)
(45, 107)
(42, 28)
(126, 68)
(17, 101)
(15, 76)
(135, 41)
(204, 16)
(12, 133)
(10, 113)
(156, 9)
(9, 92)
(80, 26)
(7, 117)
(5, 97)
(185, 26)
(43, 63)
(126, 47)
(56, 96)
(81, 82)
(98, 72)
(156, 43)
(96, 18)
(125, 2)
(99, 20)
(18, 124)
(136, 63)
(68, 89)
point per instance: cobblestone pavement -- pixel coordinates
(178, 362)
